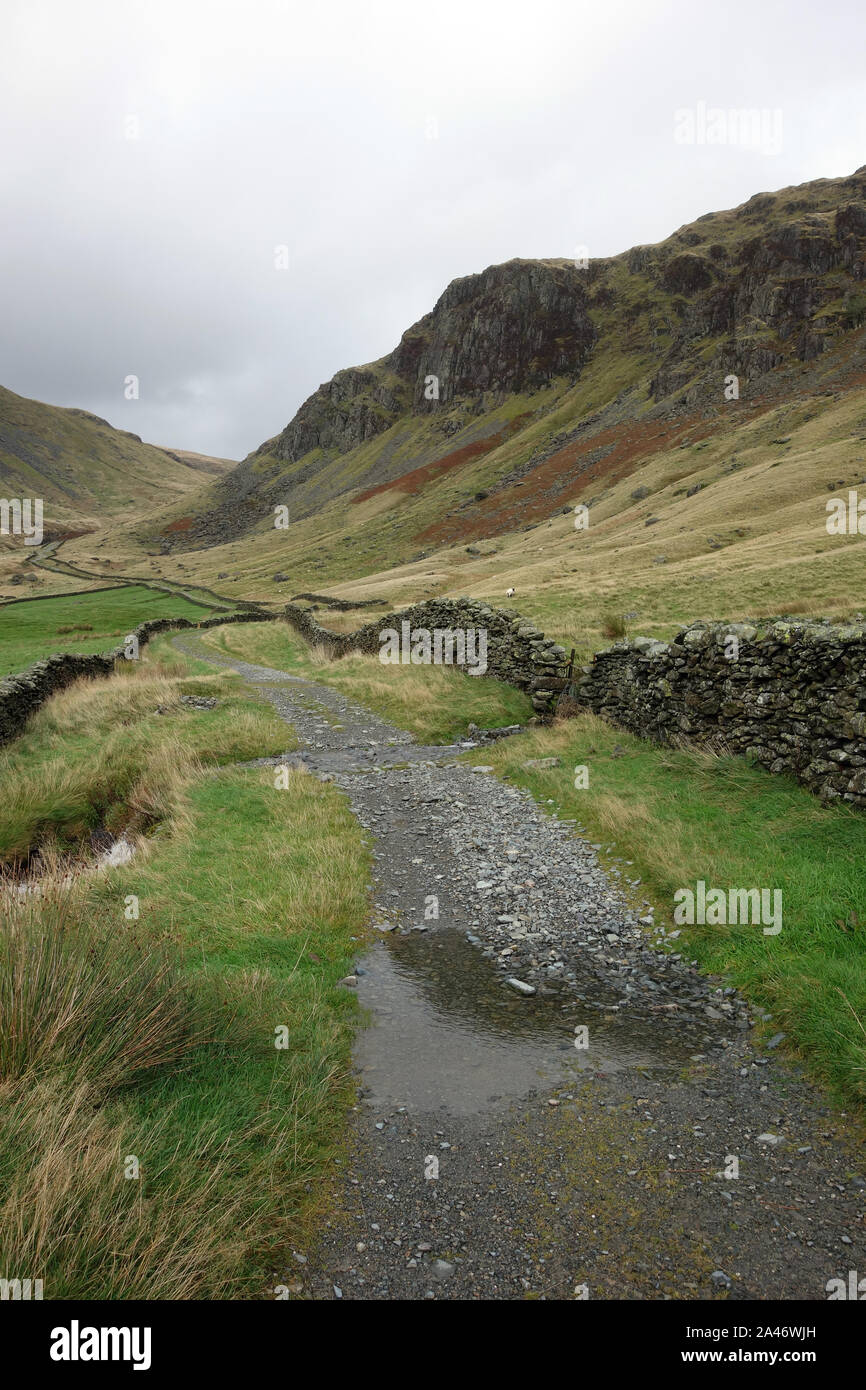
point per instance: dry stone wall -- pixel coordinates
(516, 651)
(790, 694)
(22, 694)
(340, 605)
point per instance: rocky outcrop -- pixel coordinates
(516, 651)
(791, 695)
(771, 293)
(511, 327)
(352, 407)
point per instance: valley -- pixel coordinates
(330, 1004)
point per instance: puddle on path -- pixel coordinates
(446, 1034)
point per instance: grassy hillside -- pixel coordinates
(548, 376)
(85, 470)
(699, 506)
(751, 542)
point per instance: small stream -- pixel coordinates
(121, 851)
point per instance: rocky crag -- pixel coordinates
(757, 292)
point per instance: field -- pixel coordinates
(83, 623)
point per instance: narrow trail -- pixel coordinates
(491, 1154)
(49, 559)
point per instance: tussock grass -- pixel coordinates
(154, 1039)
(68, 1211)
(88, 1013)
(77, 994)
(101, 753)
(614, 626)
(163, 658)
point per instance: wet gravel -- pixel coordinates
(491, 1153)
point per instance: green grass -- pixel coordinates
(680, 816)
(153, 1038)
(98, 622)
(161, 652)
(102, 753)
(436, 703)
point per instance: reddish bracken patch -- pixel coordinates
(183, 523)
(606, 457)
(418, 478)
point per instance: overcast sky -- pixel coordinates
(154, 154)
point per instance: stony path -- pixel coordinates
(492, 1153)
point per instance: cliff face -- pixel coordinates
(783, 283)
(759, 291)
(353, 406)
(513, 326)
(776, 279)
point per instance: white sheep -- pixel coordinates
(509, 593)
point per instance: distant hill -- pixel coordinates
(203, 463)
(86, 471)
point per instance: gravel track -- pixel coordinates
(492, 1155)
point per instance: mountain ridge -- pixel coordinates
(754, 292)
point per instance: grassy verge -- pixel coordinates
(436, 703)
(119, 752)
(681, 816)
(155, 1141)
(82, 623)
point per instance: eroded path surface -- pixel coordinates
(492, 1153)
